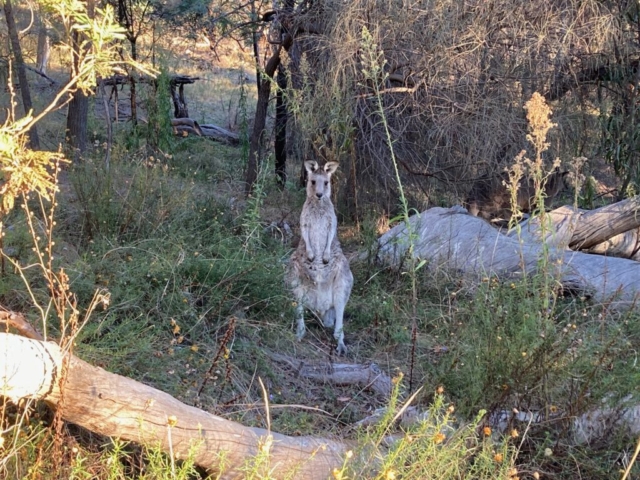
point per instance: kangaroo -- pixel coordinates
(318, 273)
(490, 199)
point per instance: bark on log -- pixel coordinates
(117, 406)
(612, 230)
(598, 225)
(456, 241)
(220, 134)
(624, 245)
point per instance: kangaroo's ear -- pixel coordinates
(331, 167)
(311, 166)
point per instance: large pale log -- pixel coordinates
(455, 241)
(117, 406)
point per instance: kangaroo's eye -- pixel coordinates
(326, 183)
(313, 182)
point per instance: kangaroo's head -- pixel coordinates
(319, 179)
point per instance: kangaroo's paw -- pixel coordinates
(341, 349)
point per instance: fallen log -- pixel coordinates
(453, 240)
(214, 132)
(220, 134)
(366, 376)
(119, 79)
(117, 406)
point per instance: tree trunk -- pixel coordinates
(255, 145)
(254, 43)
(257, 136)
(107, 116)
(34, 142)
(44, 47)
(282, 116)
(133, 97)
(78, 113)
(77, 117)
(117, 406)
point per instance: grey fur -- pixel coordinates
(318, 274)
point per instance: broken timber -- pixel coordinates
(453, 240)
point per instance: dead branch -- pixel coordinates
(18, 322)
(42, 74)
(220, 134)
(366, 376)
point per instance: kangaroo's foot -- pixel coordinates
(341, 348)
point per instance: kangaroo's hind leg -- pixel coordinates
(338, 332)
(342, 291)
(300, 328)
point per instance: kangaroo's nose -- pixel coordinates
(319, 195)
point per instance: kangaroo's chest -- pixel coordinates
(318, 222)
